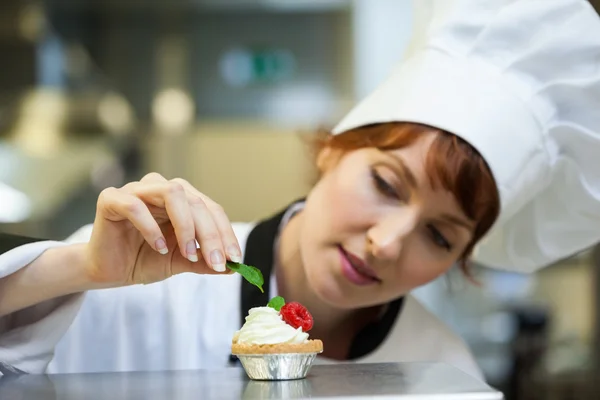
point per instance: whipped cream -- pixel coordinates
(264, 325)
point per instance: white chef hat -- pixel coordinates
(520, 81)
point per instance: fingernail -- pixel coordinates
(191, 251)
(161, 246)
(217, 260)
(234, 254)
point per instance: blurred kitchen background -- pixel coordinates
(224, 93)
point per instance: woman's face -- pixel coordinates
(373, 227)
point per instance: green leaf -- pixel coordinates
(252, 274)
(276, 303)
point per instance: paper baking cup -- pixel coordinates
(277, 367)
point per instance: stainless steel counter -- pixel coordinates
(415, 381)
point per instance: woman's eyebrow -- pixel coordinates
(453, 219)
(404, 170)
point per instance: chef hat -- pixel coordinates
(520, 81)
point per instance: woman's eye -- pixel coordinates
(382, 185)
(439, 239)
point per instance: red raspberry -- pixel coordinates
(296, 315)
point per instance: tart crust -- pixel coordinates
(311, 346)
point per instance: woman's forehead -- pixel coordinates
(432, 197)
(414, 156)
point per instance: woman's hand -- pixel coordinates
(146, 232)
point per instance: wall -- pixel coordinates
(251, 168)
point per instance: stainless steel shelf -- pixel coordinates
(402, 381)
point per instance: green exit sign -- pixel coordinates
(247, 66)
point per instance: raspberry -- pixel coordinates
(296, 315)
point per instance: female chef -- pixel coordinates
(491, 124)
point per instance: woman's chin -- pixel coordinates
(332, 293)
(329, 285)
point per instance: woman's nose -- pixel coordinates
(385, 238)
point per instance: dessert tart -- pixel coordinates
(274, 344)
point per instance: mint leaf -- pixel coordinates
(276, 303)
(251, 274)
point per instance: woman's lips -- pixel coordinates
(356, 270)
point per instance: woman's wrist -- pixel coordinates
(65, 270)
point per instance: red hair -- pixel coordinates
(451, 163)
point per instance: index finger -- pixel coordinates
(221, 220)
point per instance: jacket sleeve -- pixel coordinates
(28, 337)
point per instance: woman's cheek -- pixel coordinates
(345, 201)
(419, 265)
(425, 274)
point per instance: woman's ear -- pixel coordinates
(327, 158)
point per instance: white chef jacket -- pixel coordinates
(184, 322)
